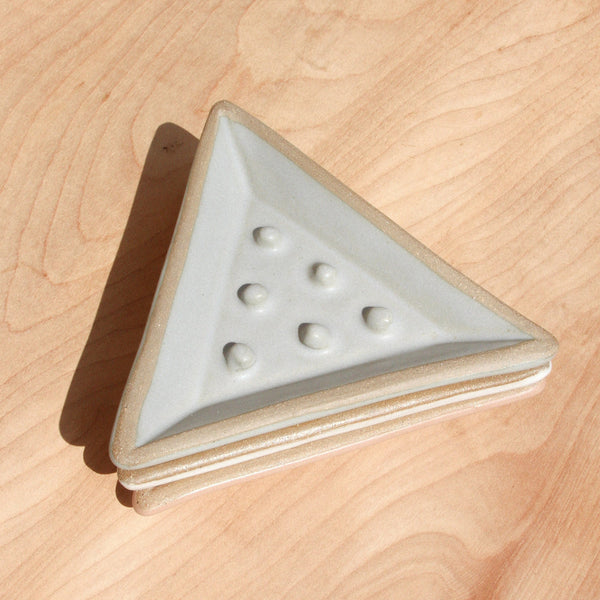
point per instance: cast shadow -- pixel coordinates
(124, 496)
(95, 391)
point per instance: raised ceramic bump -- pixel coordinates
(267, 236)
(324, 274)
(314, 336)
(253, 294)
(377, 318)
(238, 356)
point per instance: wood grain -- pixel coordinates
(474, 125)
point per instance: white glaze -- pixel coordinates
(267, 236)
(314, 336)
(238, 357)
(263, 219)
(253, 294)
(377, 318)
(324, 274)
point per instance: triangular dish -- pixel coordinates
(286, 300)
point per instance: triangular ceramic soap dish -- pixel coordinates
(292, 318)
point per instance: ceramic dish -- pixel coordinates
(290, 311)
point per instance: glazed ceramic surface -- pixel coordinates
(280, 295)
(285, 300)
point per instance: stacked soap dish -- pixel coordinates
(292, 319)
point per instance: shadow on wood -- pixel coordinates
(95, 391)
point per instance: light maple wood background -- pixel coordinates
(475, 126)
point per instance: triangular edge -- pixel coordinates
(124, 453)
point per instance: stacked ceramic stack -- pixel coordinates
(293, 319)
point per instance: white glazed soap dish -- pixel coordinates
(292, 318)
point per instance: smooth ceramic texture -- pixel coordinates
(265, 224)
(285, 298)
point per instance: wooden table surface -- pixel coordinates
(475, 126)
